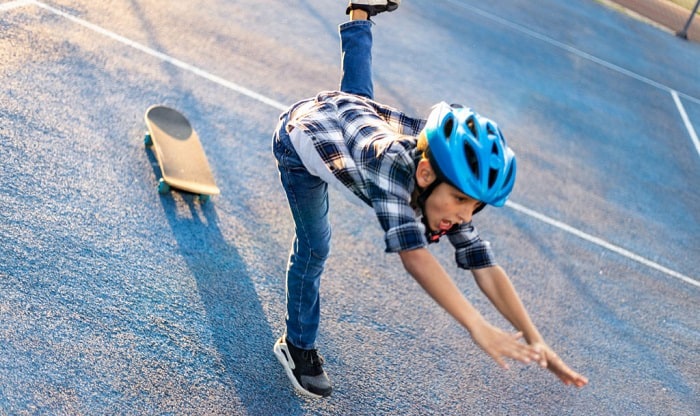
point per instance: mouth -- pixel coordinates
(445, 225)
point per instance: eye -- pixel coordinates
(462, 199)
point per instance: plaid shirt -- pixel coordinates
(370, 149)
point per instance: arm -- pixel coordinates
(496, 285)
(437, 283)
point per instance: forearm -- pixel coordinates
(495, 342)
(426, 270)
(496, 285)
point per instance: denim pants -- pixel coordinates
(308, 197)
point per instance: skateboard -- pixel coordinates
(179, 152)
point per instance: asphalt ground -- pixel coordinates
(117, 300)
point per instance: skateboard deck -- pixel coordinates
(179, 153)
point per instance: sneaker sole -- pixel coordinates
(282, 354)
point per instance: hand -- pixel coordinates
(500, 345)
(551, 361)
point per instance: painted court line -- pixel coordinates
(277, 105)
(572, 50)
(159, 55)
(606, 64)
(13, 4)
(600, 242)
(686, 121)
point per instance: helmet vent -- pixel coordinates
(469, 152)
(447, 127)
(493, 176)
(471, 126)
(509, 174)
(472, 160)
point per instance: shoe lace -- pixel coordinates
(312, 357)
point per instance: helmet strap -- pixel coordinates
(425, 193)
(431, 236)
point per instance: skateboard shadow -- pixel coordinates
(239, 326)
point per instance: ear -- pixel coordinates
(425, 175)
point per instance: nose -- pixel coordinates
(465, 215)
(467, 211)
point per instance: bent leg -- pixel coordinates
(356, 58)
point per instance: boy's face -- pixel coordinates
(446, 205)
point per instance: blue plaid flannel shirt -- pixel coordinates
(371, 149)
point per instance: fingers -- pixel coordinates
(523, 352)
(501, 362)
(570, 377)
(573, 378)
(580, 381)
(501, 345)
(511, 347)
(545, 354)
(557, 366)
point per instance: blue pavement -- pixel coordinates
(117, 300)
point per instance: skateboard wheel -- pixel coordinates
(204, 198)
(163, 187)
(178, 150)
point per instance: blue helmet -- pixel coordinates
(469, 152)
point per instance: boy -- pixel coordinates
(424, 179)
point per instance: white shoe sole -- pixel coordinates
(283, 356)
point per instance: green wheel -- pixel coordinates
(147, 140)
(163, 187)
(204, 198)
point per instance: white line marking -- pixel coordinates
(282, 107)
(601, 62)
(686, 121)
(600, 242)
(14, 4)
(571, 49)
(159, 55)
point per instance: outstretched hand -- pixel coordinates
(500, 345)
(551, 361)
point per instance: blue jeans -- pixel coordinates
(356, 58)
(308, 197)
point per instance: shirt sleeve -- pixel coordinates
(399, 121)
(393, 179)
(408, 236)
(471, 252)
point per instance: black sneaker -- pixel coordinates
(372, 7)
(304, 369)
